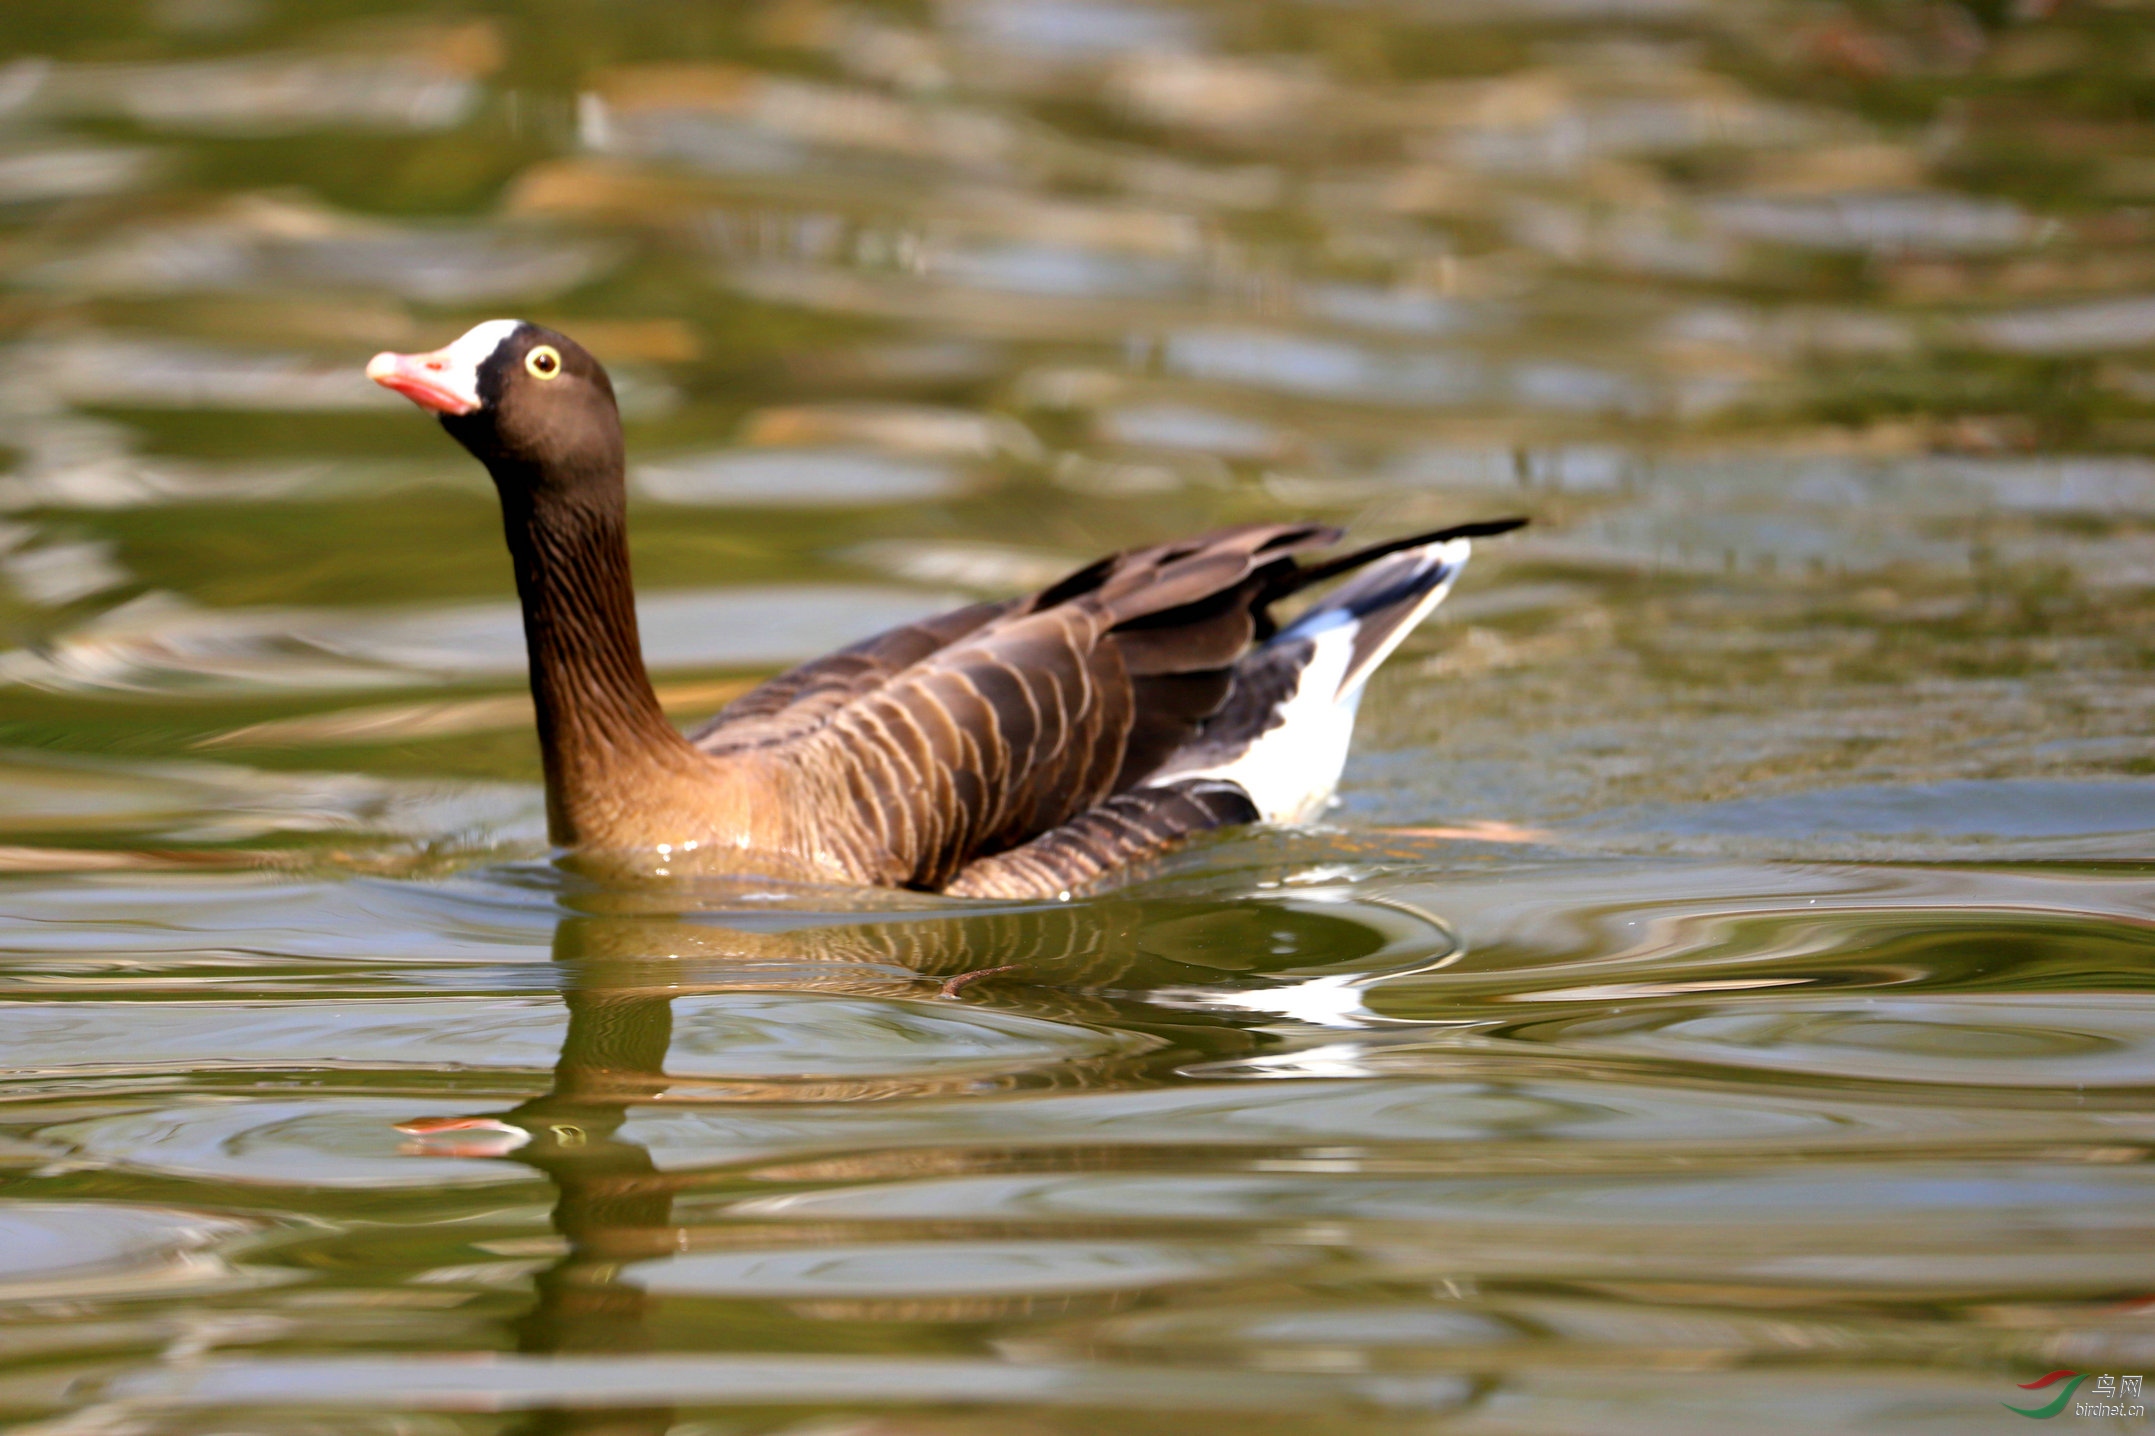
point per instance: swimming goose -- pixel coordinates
(1028, 748)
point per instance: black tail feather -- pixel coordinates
(1302, 578)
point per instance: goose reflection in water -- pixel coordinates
(1175, 983)
(612, 1205)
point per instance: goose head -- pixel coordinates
(529, 403)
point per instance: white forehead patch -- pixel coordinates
(477, 346)
(455, 369)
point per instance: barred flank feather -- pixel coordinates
(1103, 840)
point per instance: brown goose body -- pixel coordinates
(1018, 749)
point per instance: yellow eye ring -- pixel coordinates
(543, 362)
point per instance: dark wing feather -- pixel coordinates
(802, 699)
(1167, 711)
(1192, 614)
(978, 731)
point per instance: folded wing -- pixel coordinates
(972, 733)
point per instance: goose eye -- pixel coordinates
(543, 362)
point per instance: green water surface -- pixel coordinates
(1721, 999)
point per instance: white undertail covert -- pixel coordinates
(1291, 769)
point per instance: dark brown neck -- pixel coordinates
(600, 725)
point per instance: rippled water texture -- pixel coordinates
(1721, 1001)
